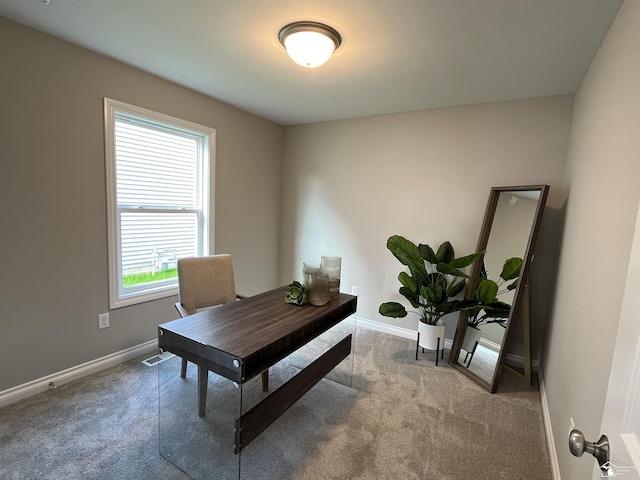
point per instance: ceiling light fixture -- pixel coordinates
(309, 44)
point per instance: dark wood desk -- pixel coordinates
(242, 339)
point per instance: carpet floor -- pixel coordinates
(401, 418)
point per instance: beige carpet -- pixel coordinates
(403, 419)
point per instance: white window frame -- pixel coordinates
(118, 295)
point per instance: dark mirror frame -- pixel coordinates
(520, 289)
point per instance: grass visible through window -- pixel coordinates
(135, 279)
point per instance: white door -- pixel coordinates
(621, 419)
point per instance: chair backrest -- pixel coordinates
(205, 281)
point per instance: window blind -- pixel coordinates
(157, 193)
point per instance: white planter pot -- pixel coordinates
(429, 336)
(471, 337)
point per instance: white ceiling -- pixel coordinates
(396, 55)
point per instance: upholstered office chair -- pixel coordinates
(207, 282)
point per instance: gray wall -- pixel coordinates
(53, 274)
(603, 170)
(348, 185)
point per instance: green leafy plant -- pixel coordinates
(296, 294)
(434, 279)
(488, 308)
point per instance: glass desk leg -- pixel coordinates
(202, 447)
(286, 448)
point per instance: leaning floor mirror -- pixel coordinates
(497, 288)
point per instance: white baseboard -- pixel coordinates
(489, 344)
(548, 431)
(40, 385)
(386, 328)
(393, 330)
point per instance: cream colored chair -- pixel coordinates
(207, 282)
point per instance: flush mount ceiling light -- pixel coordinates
(309, 44)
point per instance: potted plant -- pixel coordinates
(433, 280)
(486, 307)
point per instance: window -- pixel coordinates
(157, 199)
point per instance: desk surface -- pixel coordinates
(257, 332)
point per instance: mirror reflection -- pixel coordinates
(508, 232)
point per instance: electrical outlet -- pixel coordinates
(354, 291)
(103, 321)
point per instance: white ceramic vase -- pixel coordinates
(471, 336)
(429, 335)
